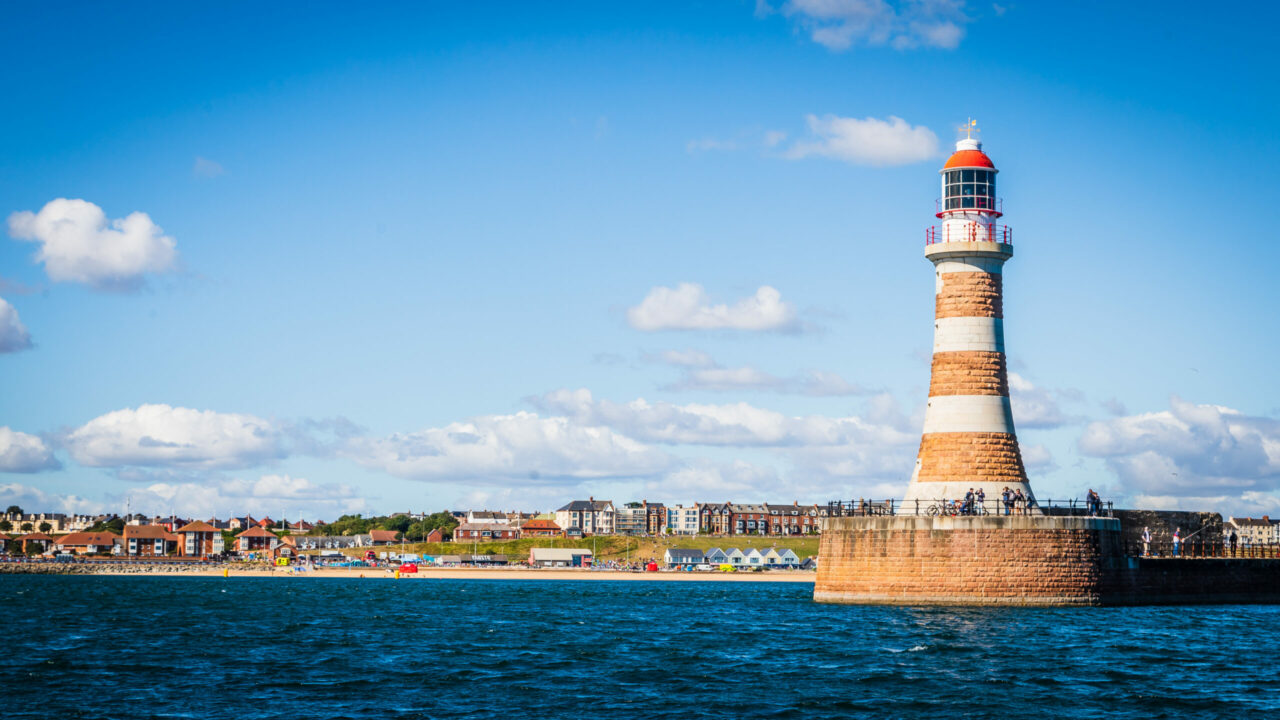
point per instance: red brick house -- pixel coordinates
(200, 539)
(83, 543)
(149, 540)
(540, 528)
(257, 539)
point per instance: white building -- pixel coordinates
(591, 517)
(682, 520)
(1253, 531)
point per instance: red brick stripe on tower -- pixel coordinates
(970, 294)
(969, 372)
(970, 457)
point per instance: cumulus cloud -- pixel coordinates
(1037, 457)
(1189, 451)
(32, 499)
(267, 495)
(23, 453)
(870, 141)
(504, 447)
(687, 307)
(79, 244)
(13, 334)
(699, 371)
(1035, 407)
(841, 24)
(707, 481)
(161, 435)
(735, 424)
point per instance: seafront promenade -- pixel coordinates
(255, 570)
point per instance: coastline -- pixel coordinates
(422, 574)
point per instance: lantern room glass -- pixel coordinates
(969, 189)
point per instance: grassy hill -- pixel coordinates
(608, 547)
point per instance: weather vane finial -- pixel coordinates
(970, 128)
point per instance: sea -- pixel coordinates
(194, 647)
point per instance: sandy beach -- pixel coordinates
(235, 571)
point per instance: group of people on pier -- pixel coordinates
(1014, 502)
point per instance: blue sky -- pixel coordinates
(491, 254)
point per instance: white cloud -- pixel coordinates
(699, 371)
(735, 425)
(1189, 451)
(206, 168)
(23, 453)
(13, 334)
(1037, 457)
(32, 499)
(705, 481)
(870, 141)
(79, 244)
(268, 495)
(1034, 407)
(160, 435)
(687, 307)
(505, 447)
(841, 24)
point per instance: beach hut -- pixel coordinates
(682, 557)
(735, 557)
(715, 556)
(753, 558)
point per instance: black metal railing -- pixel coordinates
(1196, 548)
(958, 508)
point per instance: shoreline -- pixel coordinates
(422, 574)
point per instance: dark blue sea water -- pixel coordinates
(144, 647)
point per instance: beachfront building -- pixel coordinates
(748, 519)
(655, 518)
(591, 516)
(1253, 531)
(682, 519)
(384, 537)
(200, 539)
(539, 527)
(33, 542)
(559, 557)
(87, 543)
(734, 557)
(479, 532)
(257, 539)
(794, 519)
(681, 558)
(753, 558)
(715, 556)
(149, 541)
(774, 557)
(630, 519)
(714, 518)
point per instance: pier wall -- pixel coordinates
(1019, 560)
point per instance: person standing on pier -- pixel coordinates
(1146, 541)
(1177, 541)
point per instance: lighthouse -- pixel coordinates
(968, 440)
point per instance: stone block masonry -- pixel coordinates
(1019, 561)
(968, 373)
(976, 457)
(969, 294)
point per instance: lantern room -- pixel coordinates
(969, 181)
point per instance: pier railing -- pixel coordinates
(957, 508)
(1196, 548)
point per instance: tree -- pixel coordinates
(26, 527)
(13, 510)
(114, 525)
(45, 527)
(5, 526)
(399, 523)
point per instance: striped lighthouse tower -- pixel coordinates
(968, 439)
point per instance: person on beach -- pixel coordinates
(1177, 541)
(1146, 541)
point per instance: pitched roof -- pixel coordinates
(148, 532)
(32, 536)
(383, 535)
(537, 524)
(257, 531)
(587, 505)
(685, 554)
(85, 538)
(197, 526)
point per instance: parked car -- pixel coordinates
(703, 567)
